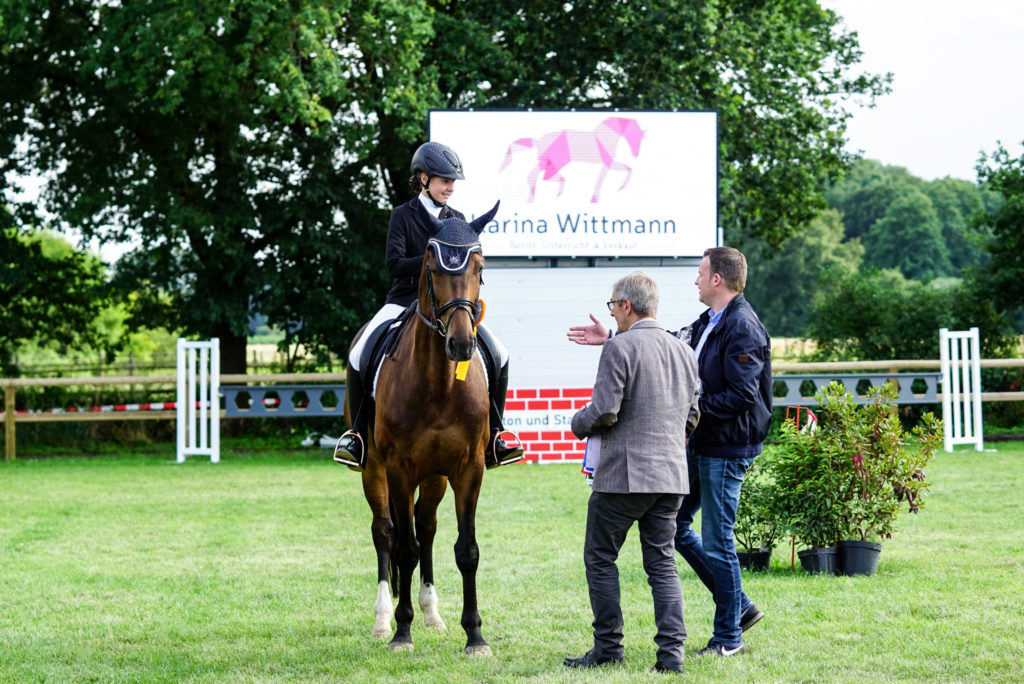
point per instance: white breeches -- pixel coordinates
(390, 311)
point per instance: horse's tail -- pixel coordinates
(522, 143)
(391, 551)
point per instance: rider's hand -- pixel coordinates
(589, 334)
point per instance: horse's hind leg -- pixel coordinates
(467, 557)
(376, 490)
(431, 492)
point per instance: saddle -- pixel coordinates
(381, 343)
(383, 340)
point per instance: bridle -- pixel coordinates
(453, 305)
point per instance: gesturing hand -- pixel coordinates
(595, 334)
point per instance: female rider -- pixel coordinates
(435, 168)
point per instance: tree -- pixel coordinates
(955, 201)
(864, 194)
(880, 315)
(50, 294)
(1003, 275)
(253, 149)
(780, 75)
(224, 138)
(909, 238)
(782, 286)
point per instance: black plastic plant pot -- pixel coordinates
(819, 559)
(856, 557)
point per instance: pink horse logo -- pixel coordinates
(555, 150)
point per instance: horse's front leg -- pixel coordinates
(431, 492)
(376, 490)
(467, 557)
(531, 180)
(406, 555)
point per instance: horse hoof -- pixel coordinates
(381, 632)
(435, 623)
(400, 646)
(481, 650)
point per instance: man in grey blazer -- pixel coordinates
(643, 404)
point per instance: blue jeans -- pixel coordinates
(715, 490)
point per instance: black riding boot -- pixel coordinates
(498, 452)
(351, 449)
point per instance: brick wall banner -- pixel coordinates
(542, 418)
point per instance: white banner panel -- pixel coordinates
(582, 184)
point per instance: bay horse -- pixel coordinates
(430, 429)
(555, 150)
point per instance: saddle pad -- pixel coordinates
(476, 358)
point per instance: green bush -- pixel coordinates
(847, 475)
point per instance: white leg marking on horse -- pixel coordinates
(383, 611)
(428, 604)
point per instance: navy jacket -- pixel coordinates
(735, 369)
(406, 245)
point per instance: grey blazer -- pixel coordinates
(644, 402)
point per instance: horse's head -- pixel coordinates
(451, 278)
(628, 129)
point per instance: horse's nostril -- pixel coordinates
(460, 350)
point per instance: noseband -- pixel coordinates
(453, 305)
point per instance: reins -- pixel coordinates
(471, 307)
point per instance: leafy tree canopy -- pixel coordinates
(864, 194)
(909, 238)
(921, 227)
(50, 294)
(782, 287)
(880, 315)
(1003, 275)
(955, 201)
(252, 150)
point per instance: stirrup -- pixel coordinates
(343, 456)
(517, 454)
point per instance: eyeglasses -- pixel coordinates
(613, 302)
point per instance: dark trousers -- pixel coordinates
(609, 518)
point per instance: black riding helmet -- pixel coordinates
(435, 159)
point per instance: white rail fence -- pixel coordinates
(960, 360)
(198, 399)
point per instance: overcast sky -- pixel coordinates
(957, 85)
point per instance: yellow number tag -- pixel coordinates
(461, 368)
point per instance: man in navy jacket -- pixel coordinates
(734, 362)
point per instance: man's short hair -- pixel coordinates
(729, 263)
(640, 290)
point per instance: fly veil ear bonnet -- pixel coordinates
(453, 240)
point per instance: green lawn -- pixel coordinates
(261, 569)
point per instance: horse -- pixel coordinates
(430, 429)
(555, 150)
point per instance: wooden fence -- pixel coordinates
(11, 385)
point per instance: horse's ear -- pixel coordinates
(478, 223)
(432, 222)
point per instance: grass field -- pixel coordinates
(261, 569)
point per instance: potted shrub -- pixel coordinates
(806, 482)
(883, 468)
(756, 529)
